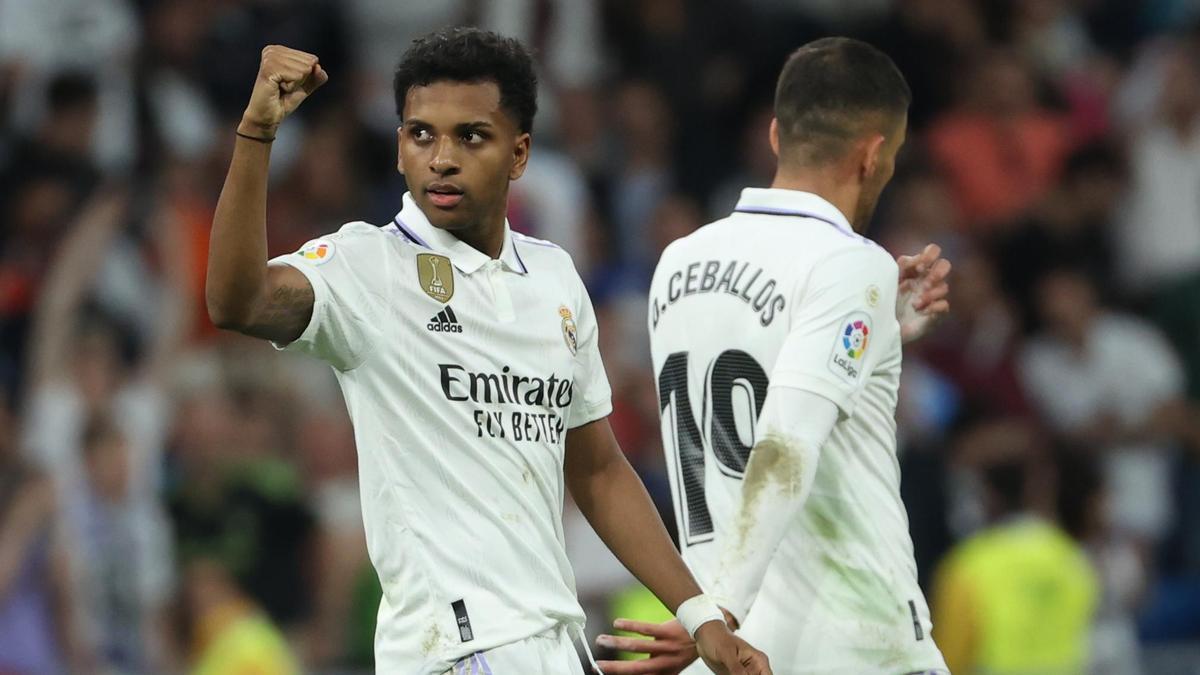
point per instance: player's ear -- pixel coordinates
(872, 155)
(520, 156)
(400, 149)
(774, 136)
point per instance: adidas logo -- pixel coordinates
(445, 322)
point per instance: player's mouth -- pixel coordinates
(444, 195)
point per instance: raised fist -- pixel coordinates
(285, 78)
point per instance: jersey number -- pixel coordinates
(732, 371)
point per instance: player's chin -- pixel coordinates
(448, 217)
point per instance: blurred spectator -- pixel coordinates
(1071, 227)
(1120, 568)
(977, 348)
(61, 143)
(97, 37)
(127, 576)
(756, 166)
(226, 632)
(383, 29)
(242, 503)
(1050, 34)
(930, 40)
(645, 174)
(109, 473)
(1159, 232)
(32, 223)
(551, 201)
(1017, 597)
(565, 37)
(1000, 149)
(39, 620)
(1109, 382)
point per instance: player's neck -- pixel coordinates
(841, 194)
(486, 237)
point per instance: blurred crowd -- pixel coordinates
(173, 499)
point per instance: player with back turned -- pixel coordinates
(467, 355)
(776, 337)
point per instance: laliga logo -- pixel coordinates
(854, 339)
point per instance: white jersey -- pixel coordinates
(783, 293)
(462, 375)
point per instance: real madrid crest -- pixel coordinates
(568, 328)
(436, 276)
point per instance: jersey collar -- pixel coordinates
(412, 224)
(780, 202)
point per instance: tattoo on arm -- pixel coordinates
(285, 315)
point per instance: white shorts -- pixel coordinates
(549, 653)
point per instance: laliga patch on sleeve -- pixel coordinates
(850, 347)
(317, 251)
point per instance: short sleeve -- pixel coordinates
(842, 322)
(344, 270)
(592, 397)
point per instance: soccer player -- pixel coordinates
(467, 355)
(777, 349)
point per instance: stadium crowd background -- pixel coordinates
(156, 475)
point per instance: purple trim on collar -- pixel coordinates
(410, 234)
(536, 242)
(512, 241)
(766, 211)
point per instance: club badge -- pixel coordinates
(570, 335)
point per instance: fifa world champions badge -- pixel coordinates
(436, 276)
(570, 333)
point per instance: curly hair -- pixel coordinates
(471, 55)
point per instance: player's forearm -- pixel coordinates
(616, 504)
(777, 482)
(237, 255)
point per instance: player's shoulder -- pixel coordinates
(543, 255)
(856, 256)
(355, 245)
(353, 234)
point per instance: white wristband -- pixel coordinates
(697, 611)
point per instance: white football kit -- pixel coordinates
(782, 295)
(462, 375)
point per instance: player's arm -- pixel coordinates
(242, 292)
(73, 270)
(611, 496)
(793, 427)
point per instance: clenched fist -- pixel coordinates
(285, 78)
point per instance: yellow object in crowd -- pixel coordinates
(1016, 599)
(236, 639)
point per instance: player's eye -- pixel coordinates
(421, 135)
(473, 138)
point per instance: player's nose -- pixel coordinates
(443, 161)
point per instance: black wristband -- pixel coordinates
(254, 138)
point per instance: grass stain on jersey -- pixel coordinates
(433, 638)
(776, 464)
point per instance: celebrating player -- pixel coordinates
(777, 349)
(467, 355)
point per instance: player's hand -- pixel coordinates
(285, 78)
(921, 301)
(671, 649)
(727, 654)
